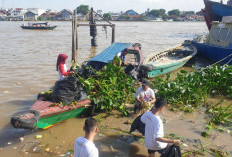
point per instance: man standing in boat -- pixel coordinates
(144, 96)
(122, 56)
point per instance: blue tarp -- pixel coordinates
(108, 54)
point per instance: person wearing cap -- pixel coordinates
(122, 56)
(154, 131)
(144, 94)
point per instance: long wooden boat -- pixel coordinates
(40, 26)
(169, 60)
(44, 114)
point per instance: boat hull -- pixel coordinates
(214, 11)
(39, 28)
(49, 121)
(165, 69)
(44, 114)
(214, 53)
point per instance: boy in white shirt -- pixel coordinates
(154, 131)
(84, 146)
(144, 94)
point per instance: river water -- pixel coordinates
(28, 57)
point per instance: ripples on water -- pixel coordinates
(28, 57)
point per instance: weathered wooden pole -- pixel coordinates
(74, 34)
(93, 29)
(113, 33)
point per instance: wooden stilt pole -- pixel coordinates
(74, 49)
(113, 34)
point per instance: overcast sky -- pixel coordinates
(108, 5)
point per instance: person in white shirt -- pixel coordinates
(154, 131)
(84, 146)
(143, 95)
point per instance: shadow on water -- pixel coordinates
(9, 134)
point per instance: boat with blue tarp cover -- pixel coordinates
(134, 55)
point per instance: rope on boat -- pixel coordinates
(223, 60)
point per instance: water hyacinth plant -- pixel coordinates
(187, 90)
(110, 88)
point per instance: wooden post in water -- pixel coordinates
(74, 35)
(113, 33)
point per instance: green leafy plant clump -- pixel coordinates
(109, 88)
(188, 89)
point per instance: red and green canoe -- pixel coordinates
(44, 114)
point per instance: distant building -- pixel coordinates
(37, 11)
(49, 16)
(16, 14)
(30, 16)
(64, 15)
(2, 16)
(97, 17)
(130, 15)
(80, 17)
(115, 16)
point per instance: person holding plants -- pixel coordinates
(154, 132)
(61, 66)
(144, 96)
(84, 146)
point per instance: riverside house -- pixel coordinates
(64, 15)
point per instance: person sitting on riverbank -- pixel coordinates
(122, 56)
(144, 96)
(84, 146)
(154, 132)
(61, 66)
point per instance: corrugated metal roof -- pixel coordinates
(108, 54)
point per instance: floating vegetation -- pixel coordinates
(109, 88)
(186, 91)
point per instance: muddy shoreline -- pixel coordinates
(113, 139)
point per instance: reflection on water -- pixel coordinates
(28, 57)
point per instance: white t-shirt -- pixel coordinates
(85, 148)
(146, 95)
(153, 129)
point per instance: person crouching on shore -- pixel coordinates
(154, 131)
(84, 146)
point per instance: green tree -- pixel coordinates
(174, 12)
(83, 9)
(157, 13)
(107, 16)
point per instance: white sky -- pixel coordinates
(139, 6)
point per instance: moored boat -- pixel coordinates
(217, 45)
(169, 60)
(214, 11)
(44, 114)
(43, 26)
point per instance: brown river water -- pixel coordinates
(28, 59)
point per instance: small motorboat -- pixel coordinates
(43, 26)
(169, 60)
